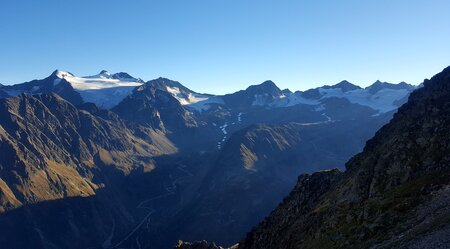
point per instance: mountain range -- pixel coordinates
(110, 161)
(107, 90)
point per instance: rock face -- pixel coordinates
(394, 194)
(151, 106)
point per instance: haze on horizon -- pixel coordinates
(224, 46)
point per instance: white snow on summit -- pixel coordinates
(100, 89)
(292, 99)
(102, 75)
(382, 101)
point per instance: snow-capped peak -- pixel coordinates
(102, 89)
(61, 74)
(105, 74)
(102, 75)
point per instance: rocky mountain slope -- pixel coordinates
(52, 149)
(394, 194)
(148, 105)
(60, 166)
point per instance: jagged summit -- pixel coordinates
(166, 84)
(122, 76)
(286, 91)
(267, 87)
(61, 74)
(378, 85)
(344, 85)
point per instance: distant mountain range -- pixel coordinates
(108, 90)
(166, 162)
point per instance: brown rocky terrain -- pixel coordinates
(51, 150)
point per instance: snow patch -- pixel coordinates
(195, 101)
(320, 108)
(326, 116)
(224, 128)
(239, 117)
(293, 99)
(284, 100)
(224, 138)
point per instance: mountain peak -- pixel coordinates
(346, 86)
(286, 91)
(61, 74)
(164, 83)
(344, 82)
(378, 85)
(267, 86)
(104, 74)
(125, 77)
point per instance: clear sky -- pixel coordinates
(221, 46)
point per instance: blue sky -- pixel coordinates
(221, 46)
